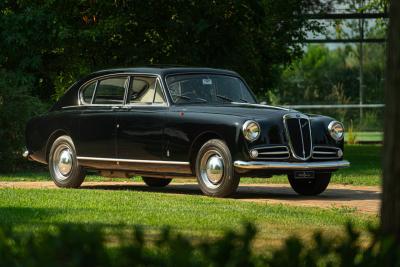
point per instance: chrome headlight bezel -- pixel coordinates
(251, 130)
(336, 130)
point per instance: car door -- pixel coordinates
(98, 125)
(140, 134)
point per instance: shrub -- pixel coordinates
(16, 107)
(351, 135)
(77, 245)
(371, 121)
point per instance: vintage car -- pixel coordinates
(166, 122)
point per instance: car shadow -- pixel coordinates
(267, 192)
(187, 189)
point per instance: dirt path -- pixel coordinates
(365, 199)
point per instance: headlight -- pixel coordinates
(336, 130)
(251, 130)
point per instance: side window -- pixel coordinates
(145, 90)
(110, 91)
(159, 97)
(88, 91)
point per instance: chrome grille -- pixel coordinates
(272, 152)
(326, 152)
(298, 132)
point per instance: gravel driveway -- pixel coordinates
(364, 199)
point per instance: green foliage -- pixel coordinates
(47, 45)
(372, 120)
(77, 245)
(62, 40)
(351, 135)
(16, 107)
(325, 76)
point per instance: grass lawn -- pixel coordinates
(365, 170)
(196, 215)
(367, 136)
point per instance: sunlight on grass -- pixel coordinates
(195, 214)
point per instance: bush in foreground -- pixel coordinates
(77, 245)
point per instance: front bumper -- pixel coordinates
(276, 165)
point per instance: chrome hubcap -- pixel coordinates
(215, 169)
(212, 168)
(62, 162)
(65, 162)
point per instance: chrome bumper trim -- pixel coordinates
(276, 165)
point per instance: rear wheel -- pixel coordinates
(156, 182)
(63, 165)
(214, 169)
(310, 187)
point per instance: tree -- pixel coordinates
(53, 43)
(58, 41)
(390, 212)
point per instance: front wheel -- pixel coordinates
(156, 182)
(310, 187)
(63, 165)
(214, 169)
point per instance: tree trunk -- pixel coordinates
(390, 211)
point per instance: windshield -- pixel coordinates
(208, 88)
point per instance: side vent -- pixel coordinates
(326, 152)
(270, 153)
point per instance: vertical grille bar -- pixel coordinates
(298, 132)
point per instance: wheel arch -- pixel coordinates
(198, 142)
(53, 136)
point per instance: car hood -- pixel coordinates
(254, 111)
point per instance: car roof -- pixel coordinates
(164, 70)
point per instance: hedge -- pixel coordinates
(79, 245)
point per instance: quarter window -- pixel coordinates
(146, 90)
(159, 96)
(88, 91)
(110, 91)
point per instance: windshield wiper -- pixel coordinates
(183, 97)
(225, 98)
(200, 100)
(195, 101)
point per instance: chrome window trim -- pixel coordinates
(117, 106)
(83, 88)
(127, 85)
(297, 116)
(98, 79)
(165, 104)
(128, 75)
(135, 160)
(94, 92)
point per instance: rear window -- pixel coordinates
(88, 91)
(110, 91)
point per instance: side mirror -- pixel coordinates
(263, 102)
